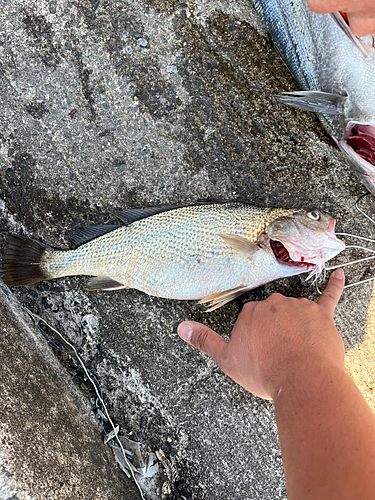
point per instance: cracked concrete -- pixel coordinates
(92, 121)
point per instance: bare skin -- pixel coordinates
(361, 13)
(290, 351)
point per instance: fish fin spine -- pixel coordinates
(240, 244)
(89, 233)
(217, 300)
(104, 283)
(315, 101)
(22, 261)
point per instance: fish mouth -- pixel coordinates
(282, 256)
(359, 146)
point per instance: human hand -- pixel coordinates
(275, 341)
(361, 13)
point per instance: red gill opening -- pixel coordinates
(345, 16)
(362, 140)
(282, 255)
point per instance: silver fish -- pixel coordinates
(336, 71)
(212, 252)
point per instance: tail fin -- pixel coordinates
(21, 261)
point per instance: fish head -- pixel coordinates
(358, 145)
(305, 239)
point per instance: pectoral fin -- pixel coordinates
(341, 23)
(240, 244)
(100, 283)
(315, 101)
(219, 299)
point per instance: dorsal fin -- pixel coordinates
(129, 215)
(213, 201)
(85, 234)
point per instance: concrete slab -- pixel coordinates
(93, 119)
(51, 446)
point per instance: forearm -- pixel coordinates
(289, 350)
(327, 436)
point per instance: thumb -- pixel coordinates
(331, 295)
(203, 338)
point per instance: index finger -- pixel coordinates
(331, 295)
(326, 6)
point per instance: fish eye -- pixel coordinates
(313, 214)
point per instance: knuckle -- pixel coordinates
(304, 301)
(276, 297)
(200, 339)
(273, 303)
(226, 363)
(329, 294)
(316, 6)
(248, 306)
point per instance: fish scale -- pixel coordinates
(213, 251)
(339, 70)
(175, 254)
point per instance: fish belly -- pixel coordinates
(188, 277)
(196, 278)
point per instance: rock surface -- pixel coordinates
(50, 446)
(94, 119)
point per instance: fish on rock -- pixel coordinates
(211, 252)
(336, 71)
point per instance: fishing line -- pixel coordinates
(345, 263)
(349, 263)
(360, 248)
(355, 236)
(361, 211)
(360, 282)
(316, 285)
(331, 268)
(89, 376)
(353, 246)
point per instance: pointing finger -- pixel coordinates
(323, 7)
(204, 339)
(361, 26)
(331, 295)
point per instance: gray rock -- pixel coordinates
(51, 446)
(142, 136)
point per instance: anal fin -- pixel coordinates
(104, 283)
(315, 101)
(219, 299)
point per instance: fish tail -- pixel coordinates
(21, 262)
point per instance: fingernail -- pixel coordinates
(184, 330)
(338, 274)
